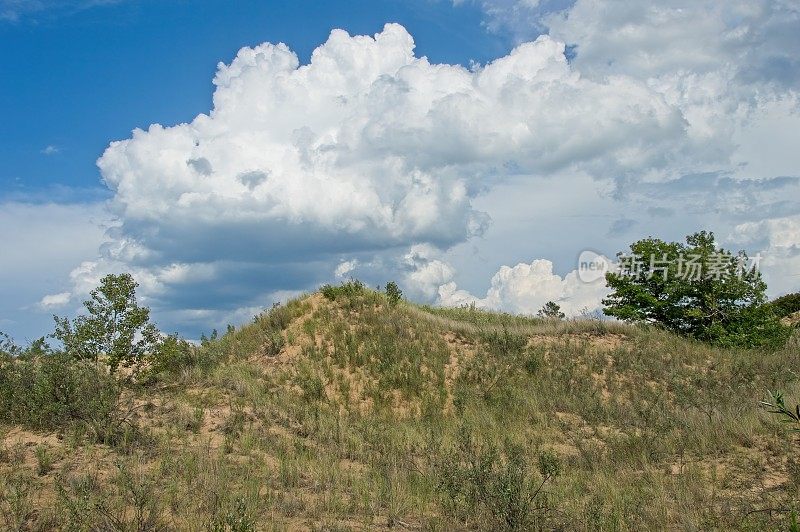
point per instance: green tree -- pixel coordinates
(393, 293)
(116, 326)
(695, 289)
(8, 348)
(551, 309)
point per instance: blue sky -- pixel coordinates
(469, 150)
(76, 80)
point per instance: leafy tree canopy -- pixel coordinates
(393, 293)
(551, 309)
(115, 327)
(695, 289)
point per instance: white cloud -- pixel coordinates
(50, 150)
(425, 272)
(752, 41)
(345, 267)
(731, 70)
(372, 153)
(721, 64)
(716, 61)
(41, 245)
(16, 10)
(367, 150)
(778, 240)
(371, 144)
(55, 300)
(525, 288)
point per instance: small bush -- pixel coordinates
(235, 423)
(311, 384)
(132, 504)
(173, 355)
(551, 310)
(775, 404)
(274, 343)
(8, 348)
(488, 488)
(17, 509)
(238, 518)
(278, 318)
(54, 392)
(346, 290)
(786, 305)
(393, 293)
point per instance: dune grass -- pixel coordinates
(347, 413)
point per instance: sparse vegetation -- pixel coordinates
(44, 460)
(489, 489)
(339, 411)
(345, 291)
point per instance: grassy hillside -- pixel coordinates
(347, 413)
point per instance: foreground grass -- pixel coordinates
(354, 414)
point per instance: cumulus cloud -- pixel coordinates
(753, 40)
(778, 242)
(366, 150)
(42, 243)
(425, 272)
(719, 63)
(370, 155)
(369, 146)
(525, 288)
(55, 300)
(345, 267)
(731, 70)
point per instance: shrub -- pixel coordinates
(17, 505)
(238, 518)
(328, 291)
(173, 355)
(393, 293)
(53, 392)
(44, 460)
(551, 310)
(131, 503)
(274, 343)
(489, 488)
(311, 384)
(7, 346)
(786, 305)
(346, 290)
